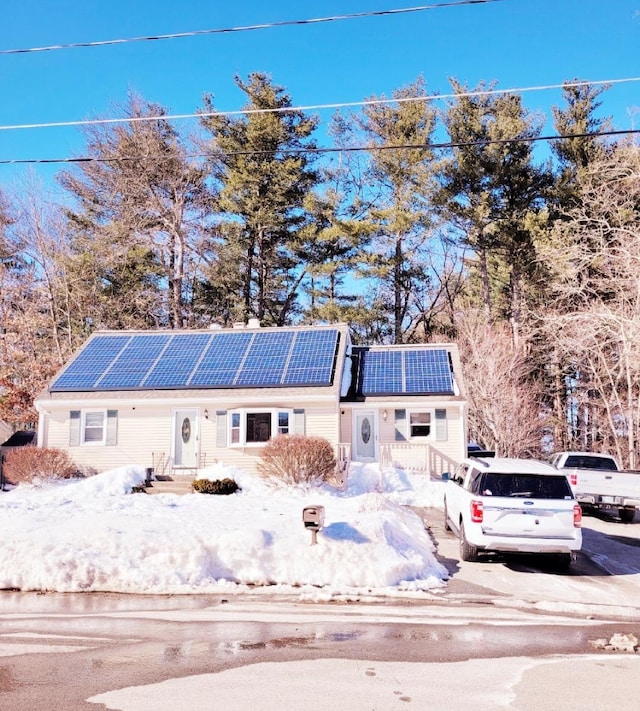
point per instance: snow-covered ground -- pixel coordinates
(95, 535)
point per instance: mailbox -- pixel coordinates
(313, 517)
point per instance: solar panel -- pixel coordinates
(168, 360)
(312, 358)
(222, 360)
(85, 370)
(178, 361)
(427, 371)
(132, 363)
(265, 359)
(382, 372)
(412, 371)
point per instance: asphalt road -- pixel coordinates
(542, 630)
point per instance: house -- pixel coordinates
(175, 401)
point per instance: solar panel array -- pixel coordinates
(203, 360)
(411, 371)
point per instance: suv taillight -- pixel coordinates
(476, 511)
(573, 478)
(577, 516)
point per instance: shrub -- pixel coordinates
(219, 486)
(298, 459)
(29, 464)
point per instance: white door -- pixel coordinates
(365, 436)
(186, 438)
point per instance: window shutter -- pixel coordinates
(112, 428)
(401, 425)
(221, 428)
(441, 425)
(298, 422)
(74, 428)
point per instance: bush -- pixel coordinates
(298, 459)
(219, 486)
(29, 464)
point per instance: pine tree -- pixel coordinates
(494, 194)
(393, 203)
(141, 206)
(262, 164)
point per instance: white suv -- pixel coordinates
(512, 505)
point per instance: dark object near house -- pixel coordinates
(21, 438)
(475, 450)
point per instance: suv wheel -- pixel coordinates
(447, 527)
(467, 550)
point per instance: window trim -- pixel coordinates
(241, 429)
(83, 428)
(438, 424)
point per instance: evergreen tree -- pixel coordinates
(578, 117)
(494, 194)
(262, 164)
(393, 201)
(140, 211)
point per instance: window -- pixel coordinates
(283, 423)
(419, 424)
(257, 426)
(93, 427)
(235, 428)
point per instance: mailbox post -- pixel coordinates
(313, 520)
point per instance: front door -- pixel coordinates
(365, 436)
(186, 438)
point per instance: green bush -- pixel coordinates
(32, 464)
(219, 486)
(298, 459)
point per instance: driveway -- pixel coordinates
(605, 576)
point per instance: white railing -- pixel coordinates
(419, 458)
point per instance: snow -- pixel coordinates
(94, 534)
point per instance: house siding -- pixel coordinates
(145, 437)
(432, 456)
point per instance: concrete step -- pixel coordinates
(170, 487)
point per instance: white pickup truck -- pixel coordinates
(598, 482)
(512, 505)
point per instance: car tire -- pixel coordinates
(468, 551)
(447, 526)
(627, 515)
(562, 562)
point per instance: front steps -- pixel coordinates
(170, 486)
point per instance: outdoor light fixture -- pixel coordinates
(385, 414)
(206, 414)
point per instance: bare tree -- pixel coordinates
(595, 325)
(506, 410)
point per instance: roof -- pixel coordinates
(425, 369)
(292, 357)
(20, 438)
(508, 465)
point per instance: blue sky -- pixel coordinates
(518, 43)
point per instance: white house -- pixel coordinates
(175, 401)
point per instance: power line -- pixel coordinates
(329, 149)
(315, 107)
(247, 28)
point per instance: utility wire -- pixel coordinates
(329, 149)
(315, 107)
(246, 28)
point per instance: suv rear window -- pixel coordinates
(535, 486)
(588, 462)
